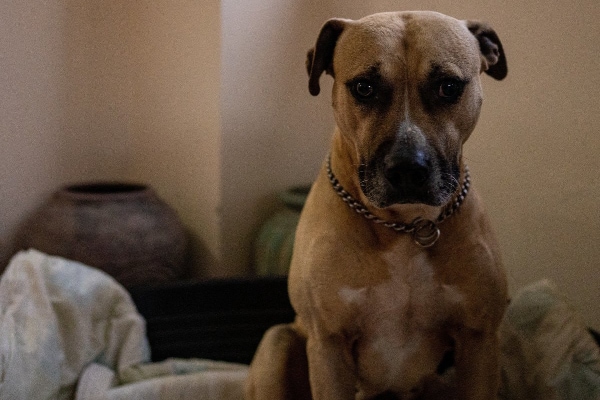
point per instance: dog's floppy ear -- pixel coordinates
(492, 53)
(320, 57)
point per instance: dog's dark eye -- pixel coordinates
(450, 90)
(364, 90)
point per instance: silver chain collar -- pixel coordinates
(425, 232)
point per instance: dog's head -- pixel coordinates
(406, 96)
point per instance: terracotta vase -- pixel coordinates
(123, 229)
(275, 241)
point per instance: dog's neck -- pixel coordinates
(419, 220)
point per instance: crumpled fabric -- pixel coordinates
(58, 316)
(182, 379)
(547, 352)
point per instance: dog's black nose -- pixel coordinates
(407, 170)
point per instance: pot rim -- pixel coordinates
(104, 190)
(295, 196)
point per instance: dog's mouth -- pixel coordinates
(387, 180)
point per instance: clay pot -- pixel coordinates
(123, 229)
(275, 241)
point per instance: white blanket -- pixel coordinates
(171, 379)
(71, 331)
(546, 350)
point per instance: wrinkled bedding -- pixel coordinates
(68, 331)
(547, 352)
(71, 331)
(171, 379)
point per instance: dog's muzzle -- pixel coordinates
(425, 232)
(402, 173)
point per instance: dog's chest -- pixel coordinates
(400, 325)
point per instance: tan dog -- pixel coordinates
(403, 301)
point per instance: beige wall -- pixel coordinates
(269, 142)
(112, 90)
(175, 117)
(50, 128)
(208, 102)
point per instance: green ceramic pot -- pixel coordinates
(275, 241)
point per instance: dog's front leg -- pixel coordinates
(279, 370)
(331, 371)
(477, 366)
